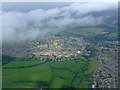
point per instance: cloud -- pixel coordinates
(40, 22)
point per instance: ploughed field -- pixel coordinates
(49, 74)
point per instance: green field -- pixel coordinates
(84, 84)
(106, 55)
(70, 65)
(93, 65)
(22, 63)
(112, 35)
(54, 74)
(63, 73)
(81, 31)
(34, 74)
(118, 86)
(0, 77)
(57, 82)
(85, 30)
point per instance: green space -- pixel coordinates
(86, 30)
(83, 84)
(31, 55)
(77, 81)
(112, 35)
(93, 65)
(70, 65)
(81, 31)
(35, 45)
(13, 77)
(56, 44)
(81, 59)
(63, 73)
(106, 55)
(54, 74)
(118, 86)
(22, 63)
(93, 35)
(0, 76)
(57, 83)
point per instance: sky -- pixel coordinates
(22, 21)
(28, 6)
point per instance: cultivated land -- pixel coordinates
(76, 58)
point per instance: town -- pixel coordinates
(62, 48)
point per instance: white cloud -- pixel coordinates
(24, 25)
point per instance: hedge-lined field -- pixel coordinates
(53, 74)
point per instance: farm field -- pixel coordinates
(81, 31)
(67, 73)
(112, 35)
(93, 65)
(22, 63)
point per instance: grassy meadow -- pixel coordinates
(52, 74)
